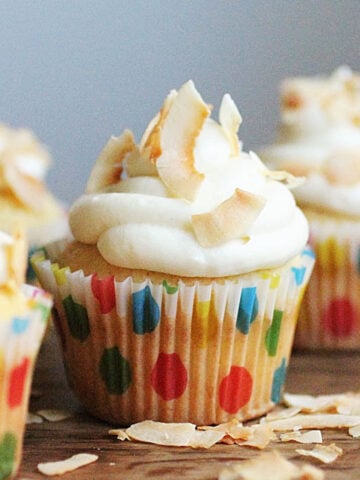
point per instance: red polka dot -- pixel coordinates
(235, 389)
(17, 382)
(169, 376)
(104, 290)
(339, 318)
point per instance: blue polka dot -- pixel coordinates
(299, 274)
(248, 309)
(308, 252)
(145, 311)
(19, 325)
(278, 382)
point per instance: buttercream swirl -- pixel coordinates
(319, 137)
(139, 220)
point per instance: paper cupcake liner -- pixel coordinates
(330, 313)
(52, 231)
(20, 339)
(190, 351)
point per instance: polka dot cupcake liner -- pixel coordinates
(330, 313)
(184, 351)
(20, 340)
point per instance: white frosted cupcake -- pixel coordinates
(177, 299)
(25, 200)
(319, 138)
(24, 312)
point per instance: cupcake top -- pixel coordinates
(24, 198)
(13, 262)
(187, 200)
(319, 137)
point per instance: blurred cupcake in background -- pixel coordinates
(24, 198)
(178, 298)
(319, 138)
(24, 312)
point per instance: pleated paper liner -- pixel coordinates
(190, 351)
(20, 340)
(330, 313)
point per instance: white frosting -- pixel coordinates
(137, 223)
(323, 125)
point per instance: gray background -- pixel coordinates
(77, 71)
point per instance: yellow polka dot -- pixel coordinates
(204, 324)
(331, 254)
(59, 273)
(274, 279)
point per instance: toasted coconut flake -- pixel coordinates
(137, 165)
(230, 119)
(324, 453)
(233, 429)
(28, 190)
(282, 413)
(344, 403)
(33, 418)
(120, 434)
(311, 436)
(171, 434)
(230, 220)
(257, 435)
(181, 126)
(355, 431)
(108, 166)
(68, 465)
(260, 437)
(285, 177)
(150, 147)
(310, 403)
(349, 404)
(276, 467)
(54, 414)
(316, 421)
(205, 439)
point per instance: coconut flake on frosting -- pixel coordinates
(230, 119)
(187, 200)
(229, 220)
(108, 167)
(182, 125)
(23, 164)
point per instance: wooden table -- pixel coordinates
(50, 441)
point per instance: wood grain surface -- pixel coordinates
(50, 441)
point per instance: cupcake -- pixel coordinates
(319, 138)
(177, 296)
(24, 198)
(24, 312)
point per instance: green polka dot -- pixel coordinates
(77, 319)
(115, 371)
(45, 312)
(273, 333)
(7, 455)
(169, 288)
